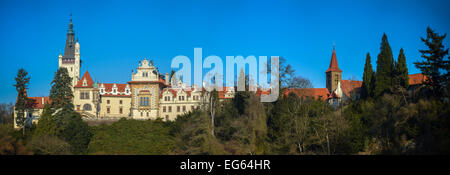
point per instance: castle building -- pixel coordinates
(151, 95)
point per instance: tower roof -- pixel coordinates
(334, 64)
(86, 77)
(69, 51)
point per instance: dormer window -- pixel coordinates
(84, 82)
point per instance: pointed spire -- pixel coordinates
(333, 63)
(69, 51)
(70, 31)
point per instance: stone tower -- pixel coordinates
(71, 58)
(333, 73)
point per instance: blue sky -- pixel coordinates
(115, 35)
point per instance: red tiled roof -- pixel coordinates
(120, 90)
(348, 86)
(39, 102)
(333, 63)
(308, 92)
(415, 79)
(109, 86)
(88, 79)
(174, 92)
(221, 95)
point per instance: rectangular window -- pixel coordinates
(192, 108)
(120, 110)
(164, 109)
(144, 101)
(184, 108)
(120, 101)
(108, 110)
(84, 95)
(167, 117)
(178, 108)
(170, 108)
(107, 101)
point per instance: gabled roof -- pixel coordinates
(174, 91)
(333, 63)
(316, 93)
(89, 82)
(415, 79)
(39, 102)
(349, 86)
(109, 88)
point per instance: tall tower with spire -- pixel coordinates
(333, 73)
(71, 58)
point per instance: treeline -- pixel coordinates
(391, 117)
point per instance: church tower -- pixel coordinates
(333, 73)
(71, 58)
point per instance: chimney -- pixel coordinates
(43, 100)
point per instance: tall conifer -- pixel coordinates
(368, 76)
(22, 80)
(401, 71)
(385, 68)
(435, 66)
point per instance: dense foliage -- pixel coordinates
(132, 137)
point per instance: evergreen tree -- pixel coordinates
(435, 66)
(61, 92)
(59, 119)
(385, 69)
(213, 105)
(194, 135)
(22, 80)
(368, 77)
(401, 71)
(49, 125)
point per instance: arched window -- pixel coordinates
(87, 107)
